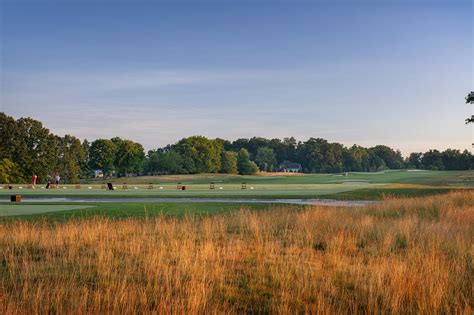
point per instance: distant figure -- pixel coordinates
(50, 179)
(34, 180)
(57, 180)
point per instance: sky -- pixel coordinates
(391, 72)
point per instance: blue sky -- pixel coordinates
(366, 72)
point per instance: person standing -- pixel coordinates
(57, 180)
(34, 180)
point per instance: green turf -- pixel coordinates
(354, 186)
(461, 178)
(303, 186)
(124, 210)
(195, 191)
(23, 209)
(380, 193)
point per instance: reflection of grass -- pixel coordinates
(400, 256)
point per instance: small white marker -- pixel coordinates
(161, 187)
(42, 187)
(135, 187)
(64, 187)
(221, 188)
(20, 187)
(89, 187)
(251, 187)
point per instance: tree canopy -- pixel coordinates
(28, 148)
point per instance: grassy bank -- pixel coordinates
(399, 256)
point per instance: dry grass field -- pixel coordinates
(400, 256)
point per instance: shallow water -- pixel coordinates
(321, 202)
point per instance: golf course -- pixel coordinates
(220, 193)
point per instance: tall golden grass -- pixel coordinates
(400, 256)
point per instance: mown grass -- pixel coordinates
(137, 210)
(458, 178)
(400, 256)
(383, 193)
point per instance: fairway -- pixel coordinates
(193, 190)
(354, 186)
(420, 177)
(126, 210)
(229, 186)
(15, 210)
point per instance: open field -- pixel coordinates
(438, 178)
(398, 256)
(355, 186)
(65, 211)
(300, 186)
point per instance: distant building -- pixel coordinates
(98, 174)
(290, 167)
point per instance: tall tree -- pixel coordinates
(102, 156)
(9, 172)
(128, 157)
(244, 165)
(229, 162)
(204, 153)
(266, 159)
(35, 149)
(9, 138)
(71, 156)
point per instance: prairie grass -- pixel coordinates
(400, 256)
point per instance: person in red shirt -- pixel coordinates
(34, 180)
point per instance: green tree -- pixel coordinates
(265, 159)
(8, 171)
(204, 153)
(102, 156)
(9, 140)
(86, 171)
(229, 162)
(35, 150)
(433, 160)
(70, 158)
(244, 165)
(320, 156)
(128, 157)
(415, 160)
(392, 159)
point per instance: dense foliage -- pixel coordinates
(28, 148)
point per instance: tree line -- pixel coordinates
(28, 148)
